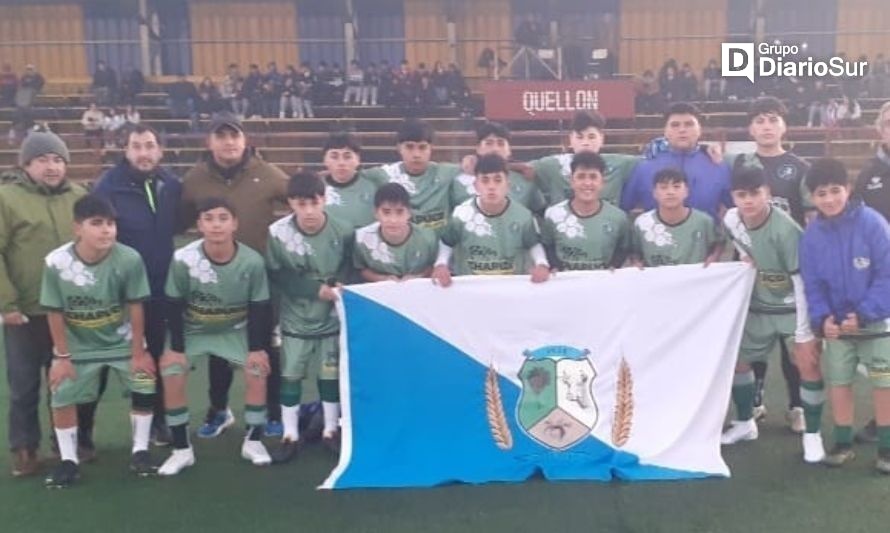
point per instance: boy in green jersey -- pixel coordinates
(673, 234)
(349, 195)
(394, 248)
(308, 258)
(490, 234)
(93, 289)
(494, 138)
(768, 237)
(428, 183)
(586, 233)
(217, 304)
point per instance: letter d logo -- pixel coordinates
(737, 60)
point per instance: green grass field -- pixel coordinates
(771, 490)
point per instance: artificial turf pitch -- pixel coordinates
(770, 490)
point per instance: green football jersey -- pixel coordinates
(490, 244)
(93, 299)
(773, 248)
(299, 264)
(555, 172)
(351, 202)
(685, 243)
(413, 256)
(216, 296)
(586, 243)
(430, 192)
(522, 190)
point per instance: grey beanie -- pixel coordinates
(38, 143)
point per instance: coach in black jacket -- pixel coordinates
(146, 197)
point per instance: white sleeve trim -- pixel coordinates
(538, 255)
(802, 332)
(444, 256)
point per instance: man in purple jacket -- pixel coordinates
(845, 265)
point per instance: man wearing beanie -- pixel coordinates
(36, 216)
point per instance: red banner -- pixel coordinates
(556, 100)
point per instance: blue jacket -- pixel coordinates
(845, 265)
(708, 181)
(150, 233)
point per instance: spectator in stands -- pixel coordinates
(688, 84)
(386, 83)
(30, 85)
(371, 87)
(232, 91)
(9, 83)
(132, 84)
(37, 207)
(322, 87)
(146, 197)
(713, 84)
(290, 94)
(672, 87)
(252, 91)
(458, 91)
(92, 120)
(132, 115)
(530, 32)
(821, 105)
(708, 181)
(182, 97)
(271, 90)
(878, 78)
(355, 80)
(22, 122)
(426, 98)
(306, 86)
(209, 100)
(848, 112)
(257, 191)
(439, 81)
(404, 86)
(648, 98)
(337, 83)
(104, 85)
(115, 120)
(663, 72)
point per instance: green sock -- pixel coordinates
(843, 435)
(743, 390)
(812, 395)
(884, 438)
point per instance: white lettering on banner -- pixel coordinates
(534, 102)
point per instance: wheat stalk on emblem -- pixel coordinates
(624, 406)
(494, 409)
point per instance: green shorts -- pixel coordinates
(762, 333)
(841, 357)
(229, 346)
(84, 387)
(298, 354)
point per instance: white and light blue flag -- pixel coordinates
(592, 375)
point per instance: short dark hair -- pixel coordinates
(827, 171)
(93, 206)
(215, 202)
(682, 108)
(490, 163)
(392, 193)
(139, 129)
(669, 175)
(340, 140)
(305, 184)
(588, 160)
(588, 119)
(767, 105)
(492, 129)
(414, 130)
(747, 179)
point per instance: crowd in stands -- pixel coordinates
(811, 102)
(295, 91)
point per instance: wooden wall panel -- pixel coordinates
(59, 27)
(863, 27)
(483, 24)
(425, 20)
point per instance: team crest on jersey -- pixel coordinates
(698, 235)
(874, 183)
(514, 227)
(608, 229)
(786, 172)
(861, 263)
(557, 407)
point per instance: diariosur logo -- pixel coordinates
(782, 61)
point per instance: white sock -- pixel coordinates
(290, 419)
(67, 439)
(331, 416)
(141, 425)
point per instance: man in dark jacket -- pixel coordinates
(104, 84)
(146, 198)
